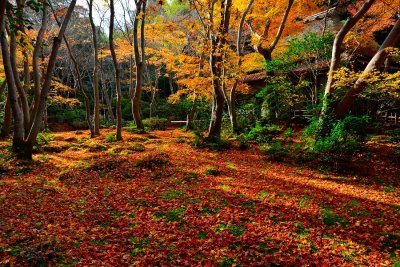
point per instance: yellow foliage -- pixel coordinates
(252, 62)
(63, 101)
(382, 81)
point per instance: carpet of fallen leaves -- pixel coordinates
(154, 200)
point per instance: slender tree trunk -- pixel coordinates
(5, 131)
(153, 95)
(374, 64)
(117, 72)
(37, 73)
(80, 82)
(95, 71)
(2, 13)
(266, 52)
(190, 116)
(108, 101)
(216, 66)
(139, 61)
(25, 148)
(170, 81)
(18, 138)
(105, 93)
(239, 50)
(336, 51)
(20, 89)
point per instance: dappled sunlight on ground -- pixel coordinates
(155, 200)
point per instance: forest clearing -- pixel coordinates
(200, 133)
(92, 202)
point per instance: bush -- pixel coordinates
(131, 127)
(110, 138)
(394, 135)
(43, 139)
(397, 153)
(137, 147)
(264, 133)
(276, 150)
(345, 137)
(202, 142)
(288, 134)
(243, 142)
(212, 171)
(155, 123)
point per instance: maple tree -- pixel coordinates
(26, 127)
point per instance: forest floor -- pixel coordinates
(90, 202)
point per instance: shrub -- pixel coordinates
(212, 171)
(243, 142)
(155, 123)
(264, 133)
(137, 147)
(131, 127)
(110, 138)
(345, 137)
(288, 134)
(202, 142)
(394, 135)
(43, 138)
(276, 150)
(397, 154)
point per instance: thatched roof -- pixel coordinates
(320, 15)
(301, 69)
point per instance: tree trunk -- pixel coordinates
(266, 52)
(18, 138)
(138, 96)
(336, 51)
(2, 13)
(170, 81)
(117, 72)
(216, 65)
(5, 131)
(95, 72)
(190, 116)
(79, 79)
(26, 151)
(232, 110)
(37, 73)
(374, 64)
(106, 97)
(23, 100)
(139, 61)
(239, 50)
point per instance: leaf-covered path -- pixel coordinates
(89, 202)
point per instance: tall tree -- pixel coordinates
(218, 42)
(23, 140)
(96, 67)
(79, 80)
(374, 64)
(336, 53)
(231, 100)
(139, 55)
(117, 71)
